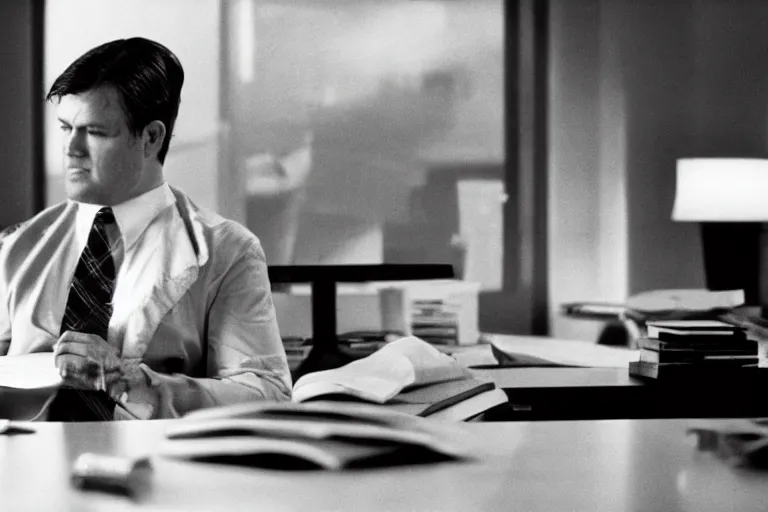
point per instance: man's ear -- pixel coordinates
(153, 137)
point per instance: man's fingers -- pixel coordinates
(73, 376)
(76, 348)
(117, 388)
(70, 363)
(88, 346)
(84, 338)
(113, 376)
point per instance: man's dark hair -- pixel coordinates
(147, 75)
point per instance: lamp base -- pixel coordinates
(732, 258)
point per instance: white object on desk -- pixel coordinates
(29, 371)
(471, 355)
(685, 300)
(567, 352)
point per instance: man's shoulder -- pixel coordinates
(33, 227)
(221, 232)
(5, 233)
(232, 237)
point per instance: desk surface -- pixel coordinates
(619, 465)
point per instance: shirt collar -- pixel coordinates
(132, 216)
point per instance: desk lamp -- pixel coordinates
(729, 197)
(325, 353)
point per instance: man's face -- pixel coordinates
(103, 162)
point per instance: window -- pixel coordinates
(338, 131)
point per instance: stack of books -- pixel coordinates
(694, 349)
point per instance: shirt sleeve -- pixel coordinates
(5, 314)
(246, 358)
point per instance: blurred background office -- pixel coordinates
(530, 143)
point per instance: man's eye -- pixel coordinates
(95, 133)
(65, 128)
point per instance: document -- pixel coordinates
(29, 371)
(328, 435)
(565, 352)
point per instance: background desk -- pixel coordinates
(606, 391)
(610, 393)
(628, 465)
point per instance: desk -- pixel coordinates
(618, 465)
(604, 392)
(610, 393)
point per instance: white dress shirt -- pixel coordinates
(192, 306)
(131, 220)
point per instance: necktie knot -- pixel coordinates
(104, 216)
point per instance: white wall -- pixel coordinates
(636, 84)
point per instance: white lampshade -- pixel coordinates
(721, 190)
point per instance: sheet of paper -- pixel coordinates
(376, 378)
(262, 428)
(469, 356)
(29, 371)
(568, 352)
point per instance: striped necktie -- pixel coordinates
(88, 310)
(89, 306)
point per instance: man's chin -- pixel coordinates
(82, 191)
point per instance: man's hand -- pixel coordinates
(86, 361)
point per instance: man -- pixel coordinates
(152, 306)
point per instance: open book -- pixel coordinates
(316, 435)
(409, 375)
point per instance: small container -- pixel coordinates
(113, 474)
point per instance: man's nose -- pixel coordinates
(74, 145)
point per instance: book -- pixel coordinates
(696, 357)
(471, 408)
(713, 344)
(315, 435)
(692, 328)
(676, 335)
(380, 376)
(432, 398)
(686, 373)
(408, 375)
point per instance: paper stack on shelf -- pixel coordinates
(442, 312)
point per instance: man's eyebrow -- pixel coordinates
(86, 125)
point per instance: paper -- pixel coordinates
(566, 352)
(29, 371)
(330, 435)
(685, 300)
(469, 356)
